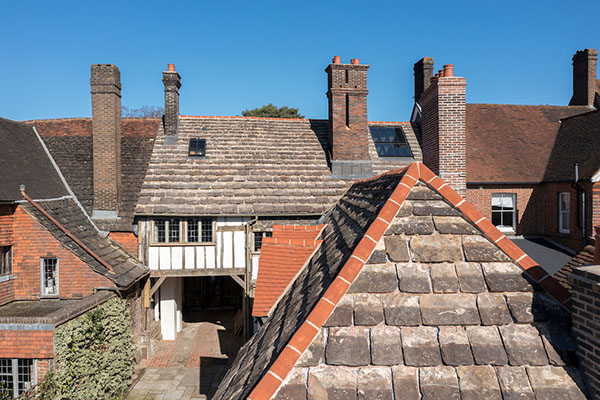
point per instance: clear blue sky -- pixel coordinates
(237, 55)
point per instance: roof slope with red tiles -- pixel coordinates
(281, 258)
(502, 138)
(441, 269)
(70, 143)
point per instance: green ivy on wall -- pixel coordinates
(95, 355)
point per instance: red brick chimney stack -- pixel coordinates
(172, 82)
(105, 85)
(348, 127)
(584, 78)
(443, 127)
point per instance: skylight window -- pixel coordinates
(390, 142)
(197, 148)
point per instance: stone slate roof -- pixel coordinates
(584, 257)
(24, 161)
(501, 138)
(127, 270)
(70, 143)
(281, 258)
(253, 166)
(444, 306)
(578, 141)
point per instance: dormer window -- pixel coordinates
(197, 148)
(390, 142)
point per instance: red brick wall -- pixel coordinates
(7, 291)
(347, 94)
(6, 224)
(596, 204)
(573, 239)
(444, 130)
(528, 221)
(26, 344)
(127, 240)
(43, 366)
(32, 241)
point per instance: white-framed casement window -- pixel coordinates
(258, 238)
(49, 275)
(17, 375)
(564, 212)
(504, 211)
(190, 230)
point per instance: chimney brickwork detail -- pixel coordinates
(348, 125)
(443, 129)
(584, 78)
(172, 81)
(106, 132)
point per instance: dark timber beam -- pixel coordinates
(173, 273)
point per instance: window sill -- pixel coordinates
(49, 296)
(6, 278)
(183, 244)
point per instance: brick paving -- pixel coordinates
(192, 366)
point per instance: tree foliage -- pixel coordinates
(143, 111)
(272, 111)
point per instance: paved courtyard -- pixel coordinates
(192, 366)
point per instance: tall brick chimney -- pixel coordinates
(172, 82)
(584, 77)
(443, 128)
(423, 70)
(106, 132)
(348, 127)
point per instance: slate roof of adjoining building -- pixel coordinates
(70, 143)
(412, 291)
(501, 138)
(578, 141)
(253, 166)
(126, 269)
(24, 162)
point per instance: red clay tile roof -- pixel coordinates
(578, 141)
(281, 257)
(502, 139)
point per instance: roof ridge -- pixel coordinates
(250, 118)
(525, 105)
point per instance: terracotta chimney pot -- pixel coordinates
(355, 61)
(171, 67)
(336, 60)
(448, 70)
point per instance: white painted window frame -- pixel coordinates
(502, 228)
(562, 214)
(56, 284)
